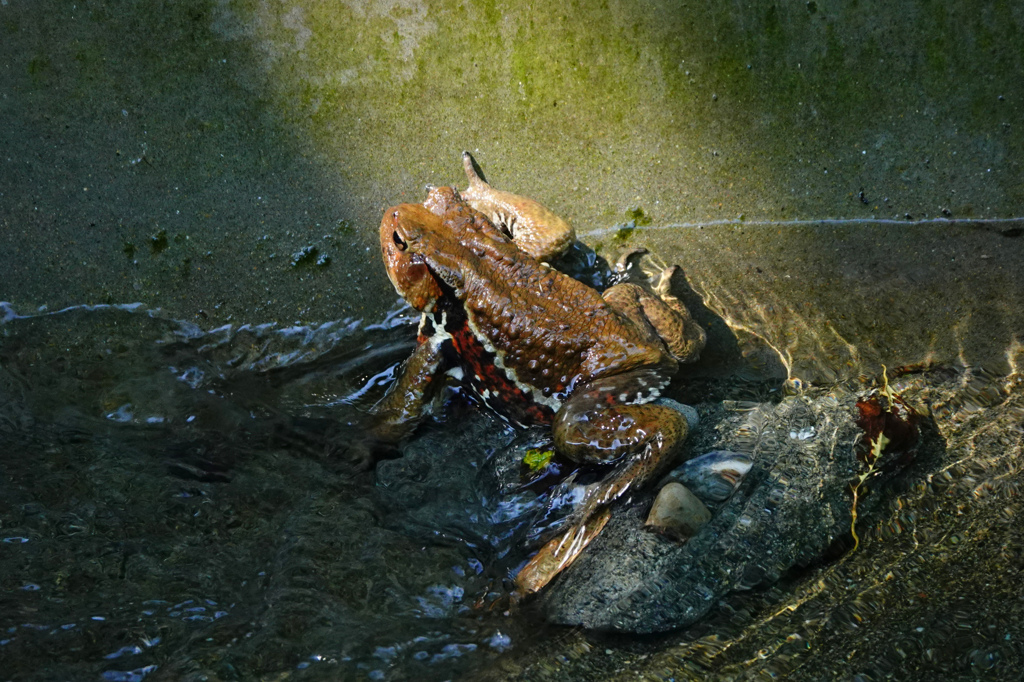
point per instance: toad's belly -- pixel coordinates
(483, 373)
(496, 386)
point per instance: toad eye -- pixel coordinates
(399, 242)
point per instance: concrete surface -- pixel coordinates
(183, 154)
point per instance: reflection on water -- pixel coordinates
(932, 556)
(175, 504)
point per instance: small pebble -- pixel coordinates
(677, 512)
(713, 477)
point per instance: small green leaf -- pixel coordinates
(535, 459)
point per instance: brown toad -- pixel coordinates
(535, 344)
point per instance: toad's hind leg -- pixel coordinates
(661, 314)
(642, 440)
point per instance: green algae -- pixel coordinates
(557, 81)
(344, 227)
(697, 112)
(622, 234)
(638, 217)
(158, 243)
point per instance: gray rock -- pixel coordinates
(792, 504)
(712, 477)
(688, 411)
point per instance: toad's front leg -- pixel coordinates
(593, 426)
(399, 412)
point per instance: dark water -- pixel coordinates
(175, 504)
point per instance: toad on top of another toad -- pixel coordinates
(536, 345)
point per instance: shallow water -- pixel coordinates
(933, 590)
(176, 505)
(172, 505)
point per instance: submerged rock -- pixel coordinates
(713, 477)
(793, 503)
